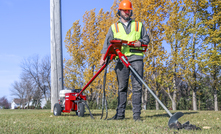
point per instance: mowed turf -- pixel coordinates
(43, 121)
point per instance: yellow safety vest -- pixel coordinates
(119, 33)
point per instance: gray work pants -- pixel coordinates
(123, 74)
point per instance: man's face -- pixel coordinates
(125, 14)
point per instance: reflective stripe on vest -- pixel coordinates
(119, 33)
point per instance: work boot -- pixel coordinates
(137, 118)
(115, 117)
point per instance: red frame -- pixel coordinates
(113, 51)
(71, 103)
(71, 99)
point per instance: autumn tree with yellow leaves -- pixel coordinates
(73, 77)
(152, 14)
(191, 48)
(173, 35)
(190, 28)
(212, 38)
(84, 45)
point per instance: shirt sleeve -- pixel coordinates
(144, 37)
(109, 37)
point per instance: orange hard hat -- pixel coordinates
(125, 5)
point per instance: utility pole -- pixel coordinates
(56, 51)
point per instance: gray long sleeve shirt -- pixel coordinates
(110, 36)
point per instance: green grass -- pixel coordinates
(43, 121)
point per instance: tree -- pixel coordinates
(38, 71)
(29, 88)
(152, 14)
(191, 47)
(174, 35)
(191, 28)
(45, 75)
(84, 49)
(4, 103)
(212, 57)
(19, 91)
(73, 76)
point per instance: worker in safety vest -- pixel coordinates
(129, 30)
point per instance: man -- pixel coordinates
(129, 30)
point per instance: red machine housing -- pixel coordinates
(71, 102)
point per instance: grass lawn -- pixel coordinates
(43, 121)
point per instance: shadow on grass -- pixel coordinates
(166, 115)
(93, 115)
(74, 114)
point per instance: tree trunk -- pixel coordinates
(175, 89)
(194, 101)
(199, 103)
(175, 78)
(157, 104)
(46, 100)
(142, 99)
(174, 101)
(28, 106)
(145, 99)
(98, 101)
(215, 100)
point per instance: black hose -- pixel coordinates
(104, 100)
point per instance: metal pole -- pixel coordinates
(138, 76)
(141, 80)
(56, 51)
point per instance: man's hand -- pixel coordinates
(102, 62)
(137, 44)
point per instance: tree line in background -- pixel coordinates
(185, 74)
